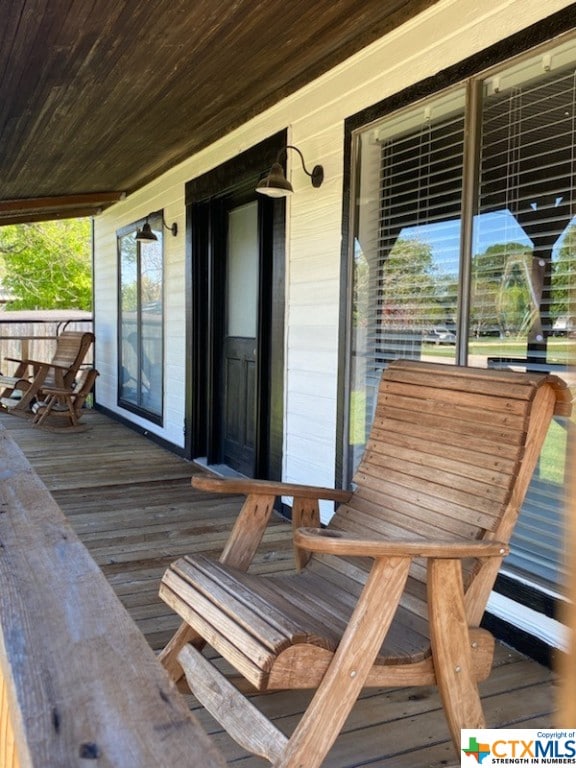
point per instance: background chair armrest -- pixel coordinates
(46, 364)
(335, 543)
(23, 370)
(267, 488)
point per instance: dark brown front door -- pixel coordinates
(241, 307)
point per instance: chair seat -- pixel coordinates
(250, 619)
(8, 381)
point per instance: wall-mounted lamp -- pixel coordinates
(277, 185)
(146, 235)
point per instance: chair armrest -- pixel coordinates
(267, 488)
(46, 364)
(36, 363)
(253, 518)
(336, 543)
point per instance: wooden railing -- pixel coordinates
(32, 334)
(78, 680)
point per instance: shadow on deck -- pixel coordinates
(131, 504)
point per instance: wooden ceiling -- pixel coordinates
(98, 97)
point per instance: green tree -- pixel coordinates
(48, 265)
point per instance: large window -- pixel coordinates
(141, 349)
(464, 252)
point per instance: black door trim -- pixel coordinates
(244, 170)
(206, 198)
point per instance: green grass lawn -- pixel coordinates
(553, 456)
(560, 350)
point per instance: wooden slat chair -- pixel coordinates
(392, 592)
(61, 409)
(26, 386)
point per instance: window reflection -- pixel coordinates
(141, 322)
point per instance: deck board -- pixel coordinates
(131, 503)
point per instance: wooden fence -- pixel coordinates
(32, 335)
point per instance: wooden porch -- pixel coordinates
(131, 504)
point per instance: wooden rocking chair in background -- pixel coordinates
(26, 386)
(61, 409)
(392, 592)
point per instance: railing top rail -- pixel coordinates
(46, 316)
(82, 681)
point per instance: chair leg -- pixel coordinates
(342, 683)
(42, 411)
(451, 649)
(238, 552)
(25, 402)
(169, 654)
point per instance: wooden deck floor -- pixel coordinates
(131, 503)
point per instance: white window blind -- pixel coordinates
(409, 176)
(523, 282)
(406, 254)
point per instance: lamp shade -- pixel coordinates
(275, 184)
(146, 234)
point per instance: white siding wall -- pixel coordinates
(448, 32)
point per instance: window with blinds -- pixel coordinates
(514, 303)
(523, 263)
(406, 250)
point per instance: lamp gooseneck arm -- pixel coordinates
(306, 171)
(317, 174)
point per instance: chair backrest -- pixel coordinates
(450, 454)
(71, 350)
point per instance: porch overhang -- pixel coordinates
(28, 210)
(97, 104)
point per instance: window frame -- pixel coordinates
(472, 75)
(155, 220)
(545, 34)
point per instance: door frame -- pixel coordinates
(207, 198)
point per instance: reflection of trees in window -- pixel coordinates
(502, 300)
(127, 247)
(408, 290)
(151, 276)
(418, 260)
(564, 282)
(528, 168)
